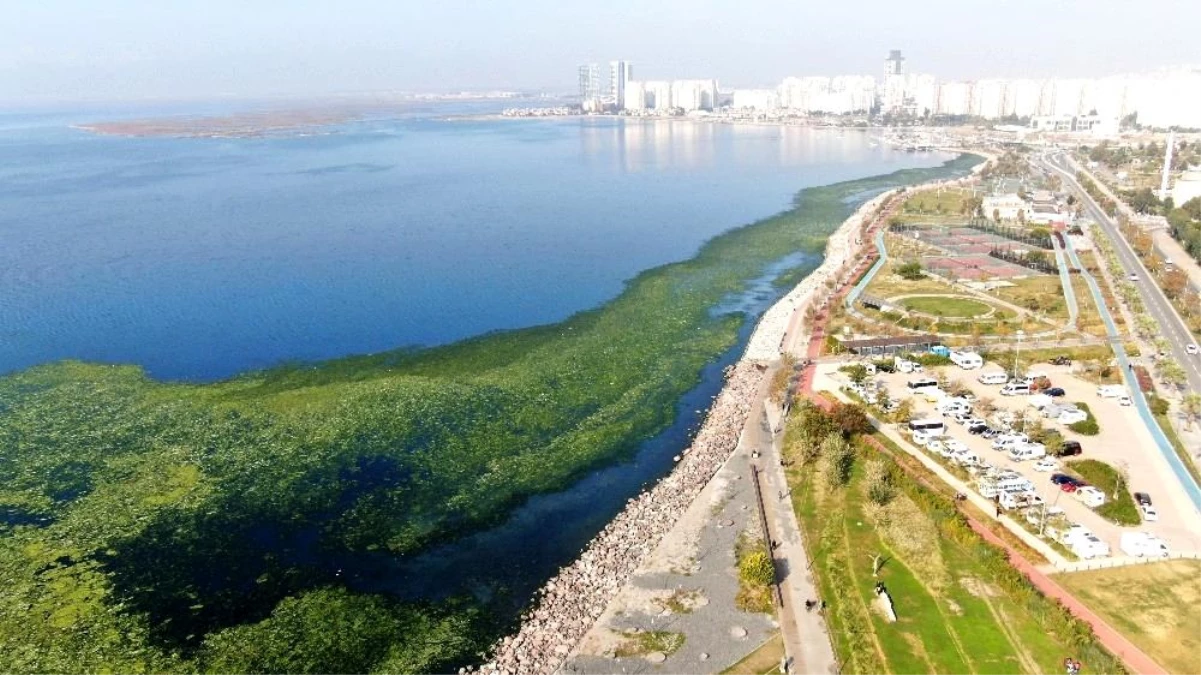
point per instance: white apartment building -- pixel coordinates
(954, 98)
(635, 96)
(692, 95)
(658, 95)
(756, 99)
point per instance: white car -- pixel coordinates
(1134, 277)
(1046, 464)
(1125, 400)
(1091, 496)
(1149, 513)
(954, 445)
(1192, 349)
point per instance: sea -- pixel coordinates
(200, 258)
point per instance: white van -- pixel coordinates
(1142, 544)
(967, 360)
(906, 366)
(922, 383)
(1015, 389)
(1111, 391)
(992, 378)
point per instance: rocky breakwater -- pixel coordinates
(569, 604)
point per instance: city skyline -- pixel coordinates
(78, 49)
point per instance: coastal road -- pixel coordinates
(1172, 326)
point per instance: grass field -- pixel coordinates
(946, 305)
(1040, 294)
(958, 605)
(1156, 606)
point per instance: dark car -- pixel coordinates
(1060, 478)
(977, 429)
(1061, 361)
(1070, 448)
(1142, 498)
(1055, 391)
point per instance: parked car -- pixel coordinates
(977, 429)
(1061, 361)
(1061, 478)
(1091, 496)
(1125, 400)
(1149, 513)
(1055, 392)
(1142, 498)
(1046, 464)
(1070, 449)
(1192, 349)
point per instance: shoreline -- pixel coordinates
(569, 604)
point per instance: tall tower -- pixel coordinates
(1167, 165)
(894, 64)
(893, 93)
(620, 72)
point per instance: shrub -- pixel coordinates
(1088, 427)
(1159, 406)
(911, 271)
(756, 568)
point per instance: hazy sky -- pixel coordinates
(135, 49)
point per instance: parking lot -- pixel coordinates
(1123, 441)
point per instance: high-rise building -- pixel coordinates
(620, 72)
(894, 64)
(892, 95)
(635, 96)
(590, 85)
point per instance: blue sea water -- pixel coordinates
(199, 258)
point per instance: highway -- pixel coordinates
(1172, 326)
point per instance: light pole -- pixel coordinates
(1017, 354)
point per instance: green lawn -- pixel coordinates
(948, 306)
(959, 606)
(1105, 477)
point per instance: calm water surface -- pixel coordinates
(200, 258)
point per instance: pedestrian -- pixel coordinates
(998, 510)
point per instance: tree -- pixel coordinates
(851, 419)
(1191, 408)
(1145, 325)
(880, 488)
(838, 458)
(857, 372)
(1172, 372)
(1174, 282)
(904, 411)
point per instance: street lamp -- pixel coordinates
(1018, 352)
